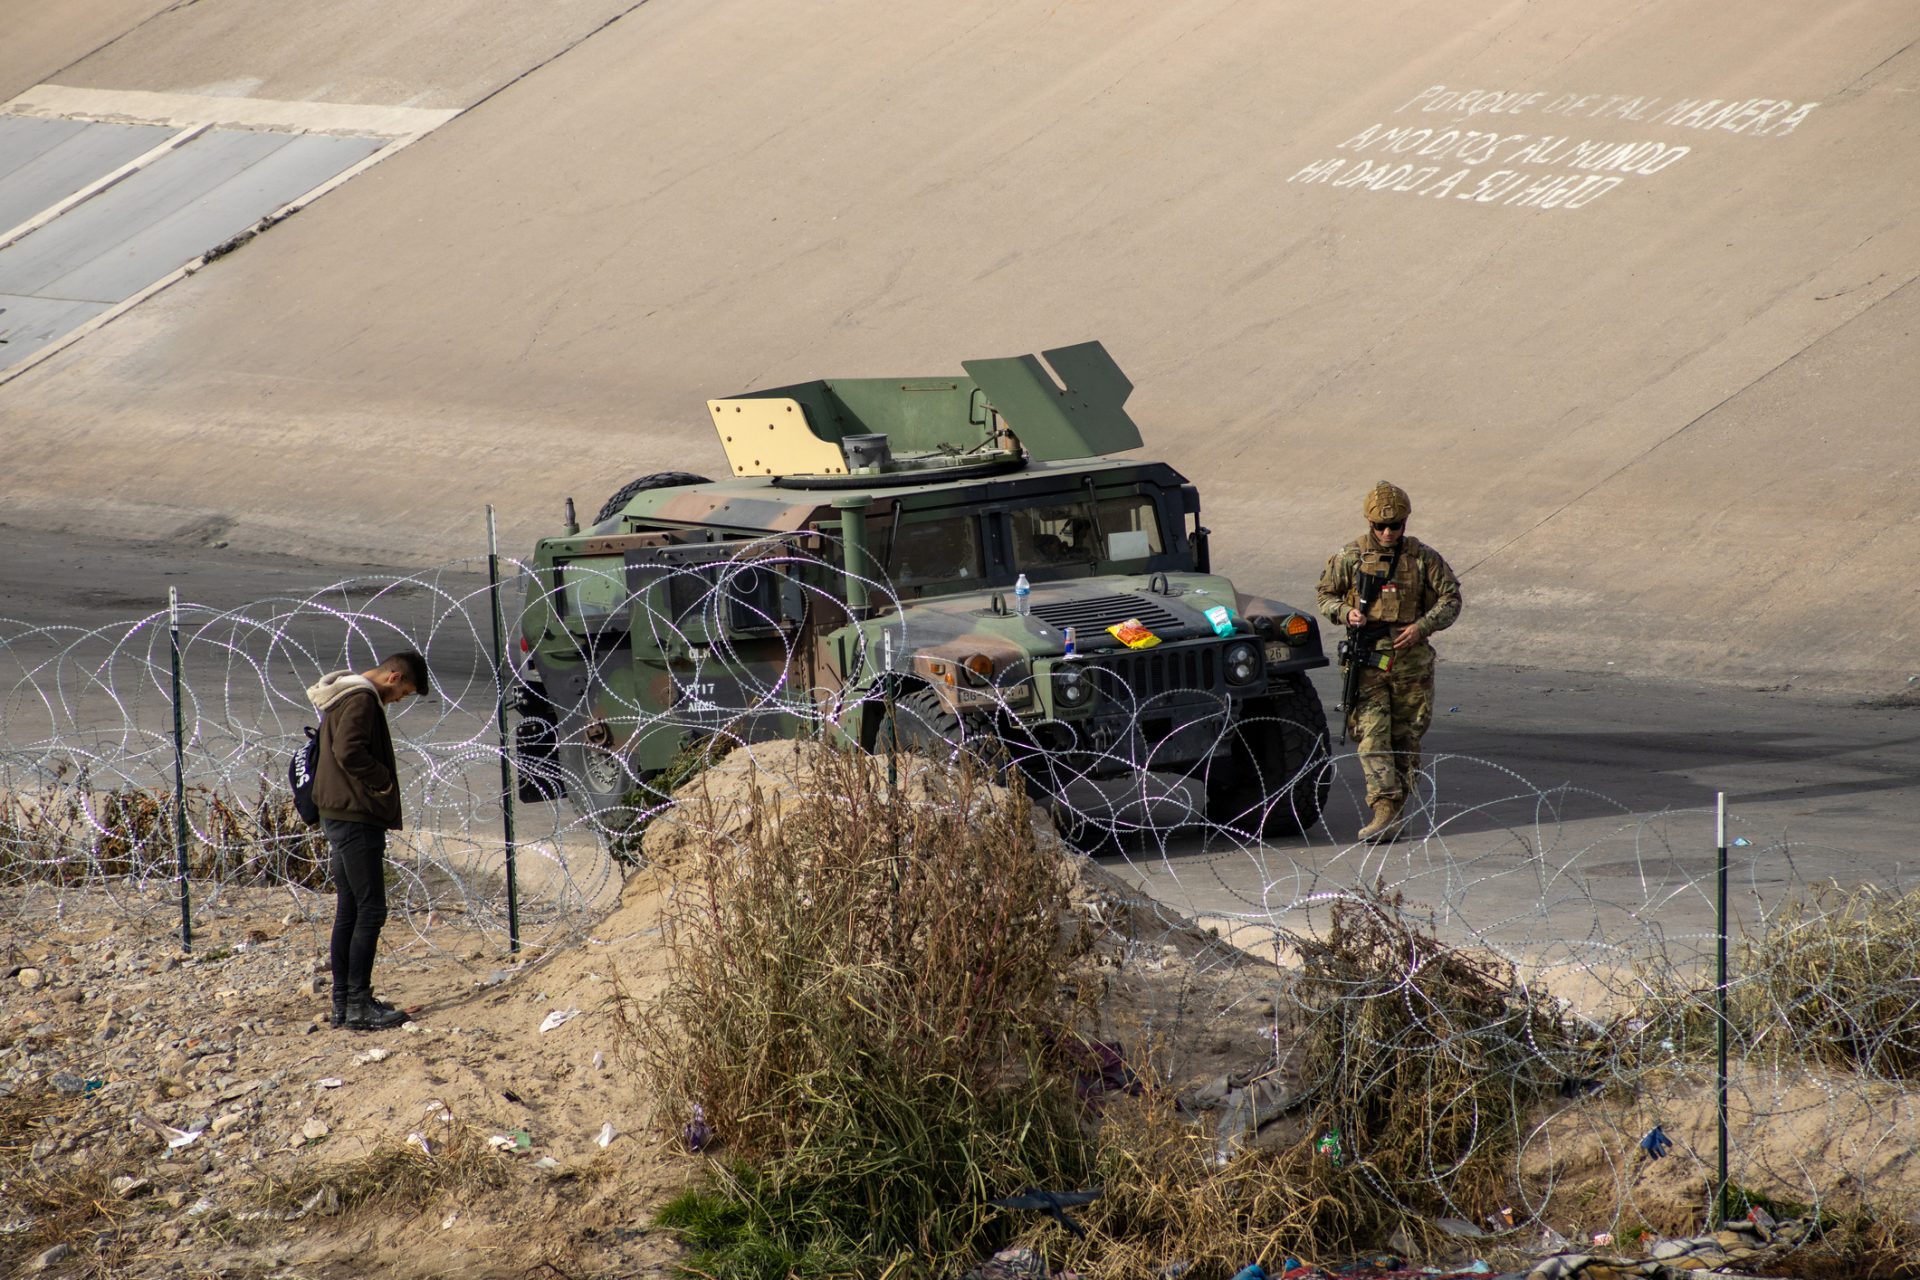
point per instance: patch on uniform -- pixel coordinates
(1133, 633)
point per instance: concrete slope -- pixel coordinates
(1658, 420)
(38, 40)
(433, 53)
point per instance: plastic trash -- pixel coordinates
(175, 1138)
(1252, 1271)
(1459, 1227)
(328, 1082)
(1453, 710)
(606, 1134)
(1741, 842)
(695, 1132)
(420, 1140)
(1220, 618)
(1329, 1146)
(1022, 596)
(1656, 1143)
(559, 1017)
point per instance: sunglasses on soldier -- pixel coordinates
(1381, 526)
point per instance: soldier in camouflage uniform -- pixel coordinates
(1417, 595)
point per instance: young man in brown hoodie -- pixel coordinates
(356, 787)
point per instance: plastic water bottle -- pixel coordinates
(1022, 596)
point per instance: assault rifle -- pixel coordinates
(1356, 648)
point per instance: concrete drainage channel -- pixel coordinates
(109, 196)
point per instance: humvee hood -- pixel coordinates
(1090, 605)
(336, 685)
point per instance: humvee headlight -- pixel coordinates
(1243, 663)
(1071, 688)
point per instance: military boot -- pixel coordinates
(339, 1018)
(1386, 820)
(363, 1014)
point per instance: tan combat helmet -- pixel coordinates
(1387, 502)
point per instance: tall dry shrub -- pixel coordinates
(1830, 979)
(1425, 1057)
(865, 989)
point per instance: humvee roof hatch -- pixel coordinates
(1004, 413)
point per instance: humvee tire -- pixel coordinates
(658, 480)
(924, 726)
(1279, 739)
(599, 783)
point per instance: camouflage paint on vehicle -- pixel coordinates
(764, 606)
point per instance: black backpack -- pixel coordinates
(300, 777)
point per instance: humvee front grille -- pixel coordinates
(1102, 612)
(1133, 676)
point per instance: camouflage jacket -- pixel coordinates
(1423, 591)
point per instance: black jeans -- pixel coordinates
(360, 907)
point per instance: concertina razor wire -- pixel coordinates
(1606, 922)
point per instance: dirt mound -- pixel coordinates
(231, 1044)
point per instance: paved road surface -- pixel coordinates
(1575, 791)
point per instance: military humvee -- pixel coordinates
(856, 576)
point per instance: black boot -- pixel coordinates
(340, 1006)
(363, 1013)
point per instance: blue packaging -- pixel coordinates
(1222, 619)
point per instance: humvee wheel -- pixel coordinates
(601, 785)
(1270, 780)
(658, 480)
(919, 722)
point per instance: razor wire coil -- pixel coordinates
(86, 807)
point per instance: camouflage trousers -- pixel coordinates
(1390, 715)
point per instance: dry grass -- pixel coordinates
(1830, 980)
(1838, 977)
(74, 834)
(1426, 1057)
(1167, 1196)
(1427, 1061)
(54, 1207)
(394, 1174)
(864, 1003)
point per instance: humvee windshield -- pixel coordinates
(928, 552)
(1053, 535)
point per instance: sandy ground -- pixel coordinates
(230, 1044)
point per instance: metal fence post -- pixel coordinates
(502, 674)
(179, 773)
(1720, 991)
